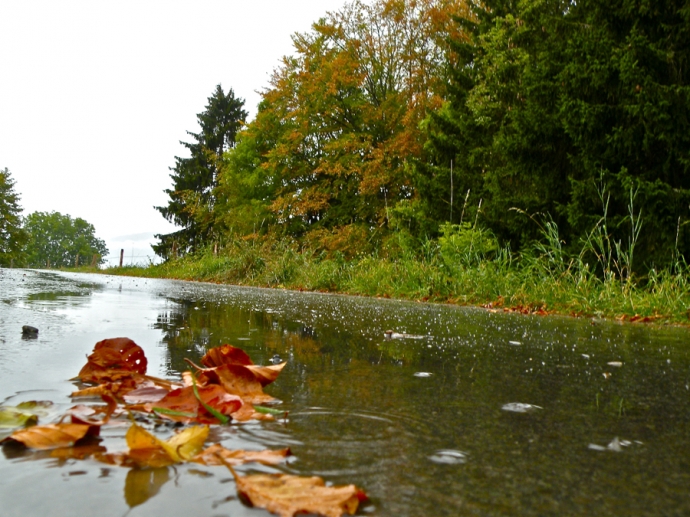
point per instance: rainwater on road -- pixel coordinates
(457, 411)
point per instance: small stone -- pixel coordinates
(28, 330)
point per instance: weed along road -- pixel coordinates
(424, 409)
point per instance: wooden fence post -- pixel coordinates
(94, 260)
(122, 256)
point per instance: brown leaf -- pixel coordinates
(52, 436)
(237, 380)
(183, 400)
(94, 415)
(288, 495)
(114, 354)
(228, 354)
(145, 394)
(225, 354)
(211, 456)
(247, 412)
(266, 374)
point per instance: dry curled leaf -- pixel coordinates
(119, 354)
(52, 436)
(94, 415)
(225, 354)
(237, 380)
(182, 405)
(212, 456)
(228, 354)
(288, 495)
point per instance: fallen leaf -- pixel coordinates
(145, 394)
(266, 374)
(237, 380)
(11, 417)
(228, 355)
(225, 354)
(181, 447)
(23, 414)
(52, 436)
(288, 495)
(248, 412)
(187, 444)
(183, 405)
(114, 354)
(94, 415)
(211, 456)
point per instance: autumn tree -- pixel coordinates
(12, 235)
(343, 114)
(192, 197)
(57, 240)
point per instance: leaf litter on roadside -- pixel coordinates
(228, 387)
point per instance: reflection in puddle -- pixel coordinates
(142, 484)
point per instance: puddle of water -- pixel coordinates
(516, 406)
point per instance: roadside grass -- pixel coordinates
(541, 280)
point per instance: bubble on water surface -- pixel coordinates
(422, 374)
(520, 407)
(449, 457)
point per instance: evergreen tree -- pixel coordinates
(192, 197)
(555, 105)
(12, 236)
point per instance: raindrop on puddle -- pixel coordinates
(520, 407)
(449, 457)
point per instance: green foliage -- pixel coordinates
(12, 235)
(466, 244)
(547, 96)
(57, 240)
(192, 198)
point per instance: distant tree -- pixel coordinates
(12, 236)
(192, 197)
(55, 240)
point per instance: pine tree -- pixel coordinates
(192, 197)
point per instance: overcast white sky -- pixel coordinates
(95, 96)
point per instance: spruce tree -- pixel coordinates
(192, 196)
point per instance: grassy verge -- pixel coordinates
(543, 280)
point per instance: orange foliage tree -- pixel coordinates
(341, 118)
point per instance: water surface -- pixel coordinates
(460, 412)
